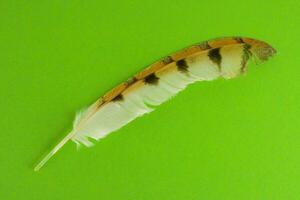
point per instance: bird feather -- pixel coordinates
(209, 60)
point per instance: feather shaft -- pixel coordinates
(53, 151)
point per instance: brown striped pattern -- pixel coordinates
(211, 47)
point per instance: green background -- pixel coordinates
(236, 139)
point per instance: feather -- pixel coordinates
(209, 60)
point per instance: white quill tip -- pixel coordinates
(53, 151)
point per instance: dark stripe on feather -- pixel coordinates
(245, 57)
(204, 45)
(215, 56)
(151, 79)
(119, 97)
(182, 66)
(239, 39)
(167, 60)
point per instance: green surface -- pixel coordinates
(236, 139)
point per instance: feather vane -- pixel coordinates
(209, 60)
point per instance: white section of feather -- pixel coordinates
(142, 98)
(231, 61)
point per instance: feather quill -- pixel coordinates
(209, 60)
